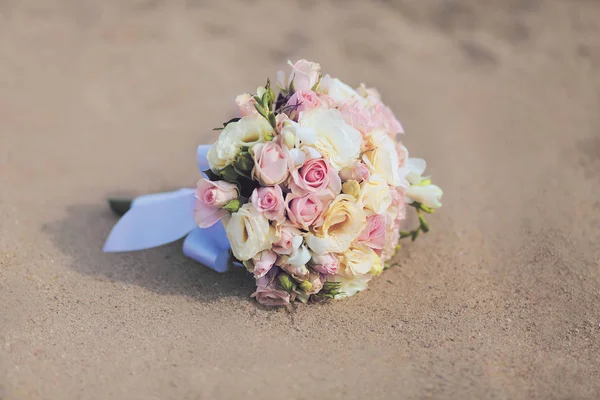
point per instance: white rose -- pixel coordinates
(248, 232)
(375, 194)
(245, 132)
(343, 221)
(338, 90)
(337, 141)
(349, 286)
(383, 159)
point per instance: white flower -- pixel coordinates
(296, 135)
(337, 141)
(375, 195)
(428, 195)
(383, 159)
(414, 169)
(349, 286)
(421, 189)
(338, 90)
(300, 254)
(245, 132)
(249, 232)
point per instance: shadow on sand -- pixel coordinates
(164, 270)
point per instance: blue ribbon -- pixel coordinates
(161, 218)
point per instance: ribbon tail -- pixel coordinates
(209, 246)
(154, 220)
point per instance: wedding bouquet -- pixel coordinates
(311, 185)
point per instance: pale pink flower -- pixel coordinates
(305, 74)
(397, 209)
(268, 293)
(305, 210)
(356, 114)
(383, 118)
(280, 120)
(302, 100)
(245, 103)
(392, 238)
(285, 242)
(210, 199)
(269, 201)
(402, 154)
(316, 283)
(271, 163)
(374, 234)
(316, 176)
(327, 263)
(358, 171)
(263, 262)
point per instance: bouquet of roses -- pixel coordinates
(311, 185)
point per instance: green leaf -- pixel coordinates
(415, 234)
(119, 205)
(232, 205)
(228, 174)
(285, 282)
(211, 175)
(424, 224)
(244, 164)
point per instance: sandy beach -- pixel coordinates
(500, 300)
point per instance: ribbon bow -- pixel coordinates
(161, 218)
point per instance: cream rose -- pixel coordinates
(343, 221)
(337, 141)
(383, 158)
(249, 232)
(375, 195)
(349, 286)
(359, 259)
(245, 132)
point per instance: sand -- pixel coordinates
(500, 301)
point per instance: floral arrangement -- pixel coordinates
(311, 185)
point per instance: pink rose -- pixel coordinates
(327, 264)
(245, 103)
(302, 100)
(316, 176)
(305, 210)
(374, 234)
(271, 163)
(269, 201)
(305, 74)
(268, 293)
(286, 236)
(210, 199)
(263, 262)
(358, 171)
